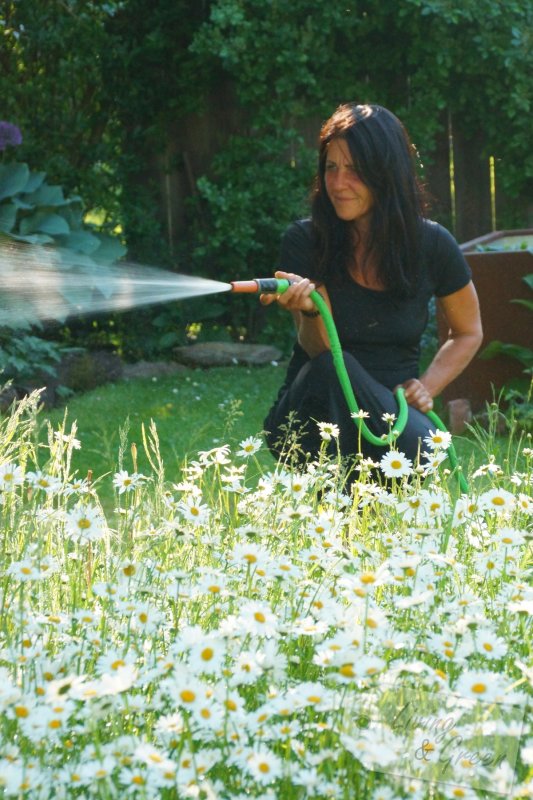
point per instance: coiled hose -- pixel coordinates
(280, 285)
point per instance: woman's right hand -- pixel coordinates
(296, 297)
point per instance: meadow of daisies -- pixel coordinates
(239, 634)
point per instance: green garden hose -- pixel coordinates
(280, 285)
(344, 380)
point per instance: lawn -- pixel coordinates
(192, 410)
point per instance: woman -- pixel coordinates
(377, 261)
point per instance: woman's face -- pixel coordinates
(350, 197)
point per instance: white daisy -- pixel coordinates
(258, 619)
(395, 464)
(438, 440)
(46, 483)
(249, 446)
(84, 523)
(124, 482)
(11, 475)
(498, 500)
(263, 765)
(484, 686)
(328, 431)
(193, 510)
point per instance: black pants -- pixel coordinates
(316, 395)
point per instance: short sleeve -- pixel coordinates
(296, 249)
(449, 267)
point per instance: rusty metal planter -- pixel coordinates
(498, 277)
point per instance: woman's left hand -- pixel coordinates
(417, 395)
(296, 297)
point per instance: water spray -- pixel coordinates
(40, 283)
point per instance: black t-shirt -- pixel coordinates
(382, 331)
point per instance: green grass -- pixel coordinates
(196, 410)
(192, 410)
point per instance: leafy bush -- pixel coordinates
(21, 357)
(256, 188)
(46, 248)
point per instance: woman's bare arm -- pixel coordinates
(461, 311)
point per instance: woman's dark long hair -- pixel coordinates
(384, 158)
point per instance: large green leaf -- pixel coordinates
(32, 238)
(8, 217)
(529, 280)
(497, 348)
(44, 222)
(46, 195)
(73, 213)
(526, 303)
(21, 204)
(111, 249)
(71, 261)
(80, 241)
(35, 180)
(13, 178)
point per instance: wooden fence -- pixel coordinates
(462, 184)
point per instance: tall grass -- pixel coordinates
(232, 631)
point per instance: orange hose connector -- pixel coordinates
(245, 287)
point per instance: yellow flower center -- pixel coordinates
(347, 671)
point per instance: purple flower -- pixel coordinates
(10, 135)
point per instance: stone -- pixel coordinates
(150, 369)
(8, 395)
(225, 354)
(88, 369)
(459, 414)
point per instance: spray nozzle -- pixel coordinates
(261, 286)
